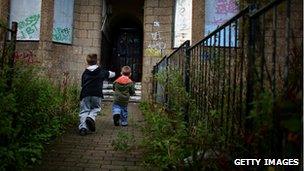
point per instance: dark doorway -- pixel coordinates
(122, 42)
(127, 50)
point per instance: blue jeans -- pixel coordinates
(122, 111)
(89, 107)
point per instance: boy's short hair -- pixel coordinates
(126, 70)
(92, 59)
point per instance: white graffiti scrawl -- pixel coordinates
(182, 22)
(157, 42)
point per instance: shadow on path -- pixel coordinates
(94, 151)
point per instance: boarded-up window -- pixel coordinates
(182, 21)
(28, 15)
(217, 12)
(63, 21)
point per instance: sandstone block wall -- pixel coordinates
(55, 59)
(198, 17)
(86, 39)
(158, 17)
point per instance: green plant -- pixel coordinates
(124, 141)
(163, 137)
(33, 111)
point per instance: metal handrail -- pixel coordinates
(266, 8)
(241, 13)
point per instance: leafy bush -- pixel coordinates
(164, 138)
(206, 144)
(124, 141)
(33, 111)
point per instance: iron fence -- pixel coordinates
(256, 53)
(274, 72)
(177, 62)
(8, 39)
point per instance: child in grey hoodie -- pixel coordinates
(91, 93)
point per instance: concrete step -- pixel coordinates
(107, 85)
(108, 92)
(134, 99)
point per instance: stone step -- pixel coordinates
(108, 85)
(134, 99)
(108, 92)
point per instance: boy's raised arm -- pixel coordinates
(111, 74)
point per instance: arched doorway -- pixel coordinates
(127, 47)
(124, 37)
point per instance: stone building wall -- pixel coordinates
(86, 39)
(55, 58)
(4, 4)
(198, 16)
(158, 17)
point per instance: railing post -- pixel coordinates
(167, 80)
(154, 83)
(11, 65)
(187, 80)
(250, 70)
(11, 58)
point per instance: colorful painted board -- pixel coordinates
(63, 21)
(28, 15)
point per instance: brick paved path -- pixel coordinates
(94, 151)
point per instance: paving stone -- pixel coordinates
(95, 151)
(123, 163)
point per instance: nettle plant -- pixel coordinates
(171, 142)
(34, 111)
(124, 141)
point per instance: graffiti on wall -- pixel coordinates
(226, 7)
(28, 28)
(156, 45)
(63, 21)
(157, 42)
(217, 13)
(182, 22)
(62, 34)
(24, 56)
(28, 16)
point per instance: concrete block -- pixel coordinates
(96, 42)
(77, 50)
(165, 19)
(163, 11)
(76, 8)
(97, 10)
(166, 3)
(94, 34)
(81, 33)
(83, 17)
(86, 25)
(148, 27)
(87, 50)
(83, 42)
(150, 19)
(165, 28)
(94, 17)
(86, 9)
(84, 2)
(151, 3)
(95, 2)
(96, 26)
(148, 11)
